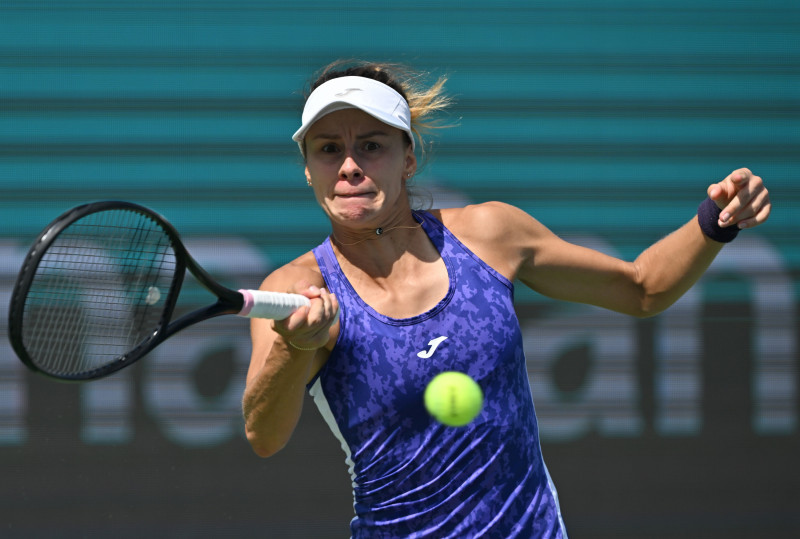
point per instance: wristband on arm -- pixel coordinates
(708, 217)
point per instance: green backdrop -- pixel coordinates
(605, 120)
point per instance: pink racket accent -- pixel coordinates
(248, 302)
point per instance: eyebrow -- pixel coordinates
(369, 134)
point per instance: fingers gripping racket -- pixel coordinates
(98, 290)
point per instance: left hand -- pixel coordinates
(743, 199)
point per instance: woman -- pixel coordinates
(425, 292)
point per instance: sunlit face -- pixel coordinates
(358, 167)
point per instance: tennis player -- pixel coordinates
(399, 295)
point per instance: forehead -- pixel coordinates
(342, 122)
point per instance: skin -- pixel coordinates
(358, 168)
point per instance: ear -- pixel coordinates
(410, 167)
(308, 178)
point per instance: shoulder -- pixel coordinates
(500, 234)
(490, 221)
(302, 269)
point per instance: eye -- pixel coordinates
(372, 146)
(329, 148)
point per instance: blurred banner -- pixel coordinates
(605, 121)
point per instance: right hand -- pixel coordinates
(309, 326)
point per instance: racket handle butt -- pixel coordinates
(273, 305)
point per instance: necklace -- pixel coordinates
(378, 233)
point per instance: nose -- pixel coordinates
(350, 170)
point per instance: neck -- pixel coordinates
(349, 237)
(377, 234)
(391, 254)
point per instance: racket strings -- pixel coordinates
(99, 291)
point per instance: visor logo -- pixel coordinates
(347, 91)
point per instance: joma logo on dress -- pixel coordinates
(433, 345)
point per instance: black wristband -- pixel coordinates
(708, 217)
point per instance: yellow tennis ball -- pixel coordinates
(453, 398)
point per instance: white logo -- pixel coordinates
(347, 91)
(434, 344)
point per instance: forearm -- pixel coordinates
(273, 397)
(670, 267)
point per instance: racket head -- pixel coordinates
(96, 290)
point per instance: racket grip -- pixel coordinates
(273, 305)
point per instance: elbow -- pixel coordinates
(651, 304)
(646, 310)
(263, 451)
(265, 438)
(638, 310)
(260, 431)
(646, 301)
(262, 446)
(642, 304)
(268, 426)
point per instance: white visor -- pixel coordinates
(373, 97)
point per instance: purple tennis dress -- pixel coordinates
(413, 477)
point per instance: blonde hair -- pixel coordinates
(426, 102)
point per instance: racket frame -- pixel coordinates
(228, 301)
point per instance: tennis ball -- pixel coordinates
(453, 398)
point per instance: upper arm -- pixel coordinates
(565, 271)
(520, 247)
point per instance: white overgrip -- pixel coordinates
(273, 305)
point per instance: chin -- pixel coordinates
(351, 212)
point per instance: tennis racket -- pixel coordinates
(98, 291)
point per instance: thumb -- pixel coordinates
(305, 288)
(716, 193)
